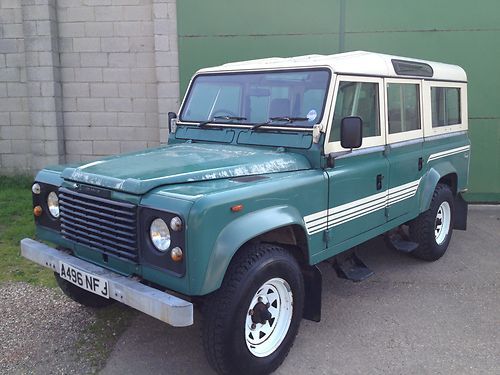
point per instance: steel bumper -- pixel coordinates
(163, 306)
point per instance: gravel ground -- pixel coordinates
(41, 332)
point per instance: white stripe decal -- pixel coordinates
(446, 153)
(319, 221)
(344, 213)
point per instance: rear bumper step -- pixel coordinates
(160, 305)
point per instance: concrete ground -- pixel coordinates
(411, 317)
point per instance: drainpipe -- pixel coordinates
(342, 14)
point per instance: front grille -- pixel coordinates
(106, 225)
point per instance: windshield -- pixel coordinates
(286, 98)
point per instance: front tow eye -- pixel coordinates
(260, 313)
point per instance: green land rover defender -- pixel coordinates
(272, 166)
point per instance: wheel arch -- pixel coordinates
(272, 224)
(443, 173)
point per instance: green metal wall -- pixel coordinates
(460, 32)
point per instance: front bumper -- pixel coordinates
(160, 305)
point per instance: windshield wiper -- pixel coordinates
(236, 118)
(204, 124)
(288, 120)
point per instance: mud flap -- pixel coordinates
(313, 287)
(461, 208)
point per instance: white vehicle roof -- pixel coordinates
(355, 63)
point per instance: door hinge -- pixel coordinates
(326, 236)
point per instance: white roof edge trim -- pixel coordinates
(349, 63)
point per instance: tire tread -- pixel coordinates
(215, 317)
(422, 227)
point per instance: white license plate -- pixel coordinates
(84, 280)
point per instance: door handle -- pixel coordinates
(379, 181)
(420, 163)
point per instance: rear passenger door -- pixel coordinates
(405, 142)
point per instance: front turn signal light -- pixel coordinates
(176, 254)
(37, 211)
(237, 208)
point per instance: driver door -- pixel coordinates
(357, 193)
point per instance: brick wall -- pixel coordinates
(81, 79)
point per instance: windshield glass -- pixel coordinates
(293, 98)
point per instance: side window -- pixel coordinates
(403, 107)
(445, 104)
(357, 99)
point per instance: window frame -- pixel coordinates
(405, 135)
(429, 130)
(378, 140)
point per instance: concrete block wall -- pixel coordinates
(93, 78)
(14, 116)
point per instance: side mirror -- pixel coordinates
(172, 122)
(351, 132)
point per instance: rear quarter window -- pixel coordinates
(445, 104)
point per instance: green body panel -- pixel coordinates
(455, 31)
(235, 235)
(457, 164)
(363, 237)
(143, 171)
(216, 233)
(403, 159)
(354, 178)
(51, 175)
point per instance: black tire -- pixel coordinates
(82, 296)
(226, 311)
(422, 229)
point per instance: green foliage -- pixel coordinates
(16, 223)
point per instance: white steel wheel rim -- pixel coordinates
(263, 339)
(442, 222)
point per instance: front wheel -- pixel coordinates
(251, 322)
(433, 228)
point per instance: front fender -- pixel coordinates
(240, 231)
(430, 181)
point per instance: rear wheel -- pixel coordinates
(432, 230)
(251, 322)
(82, 296)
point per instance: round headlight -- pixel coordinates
(160, 235)
(53, 204)
(176, 224)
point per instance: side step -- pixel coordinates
(398, 241)
(349, 266)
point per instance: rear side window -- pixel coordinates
(403, 104)
(445, 103)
